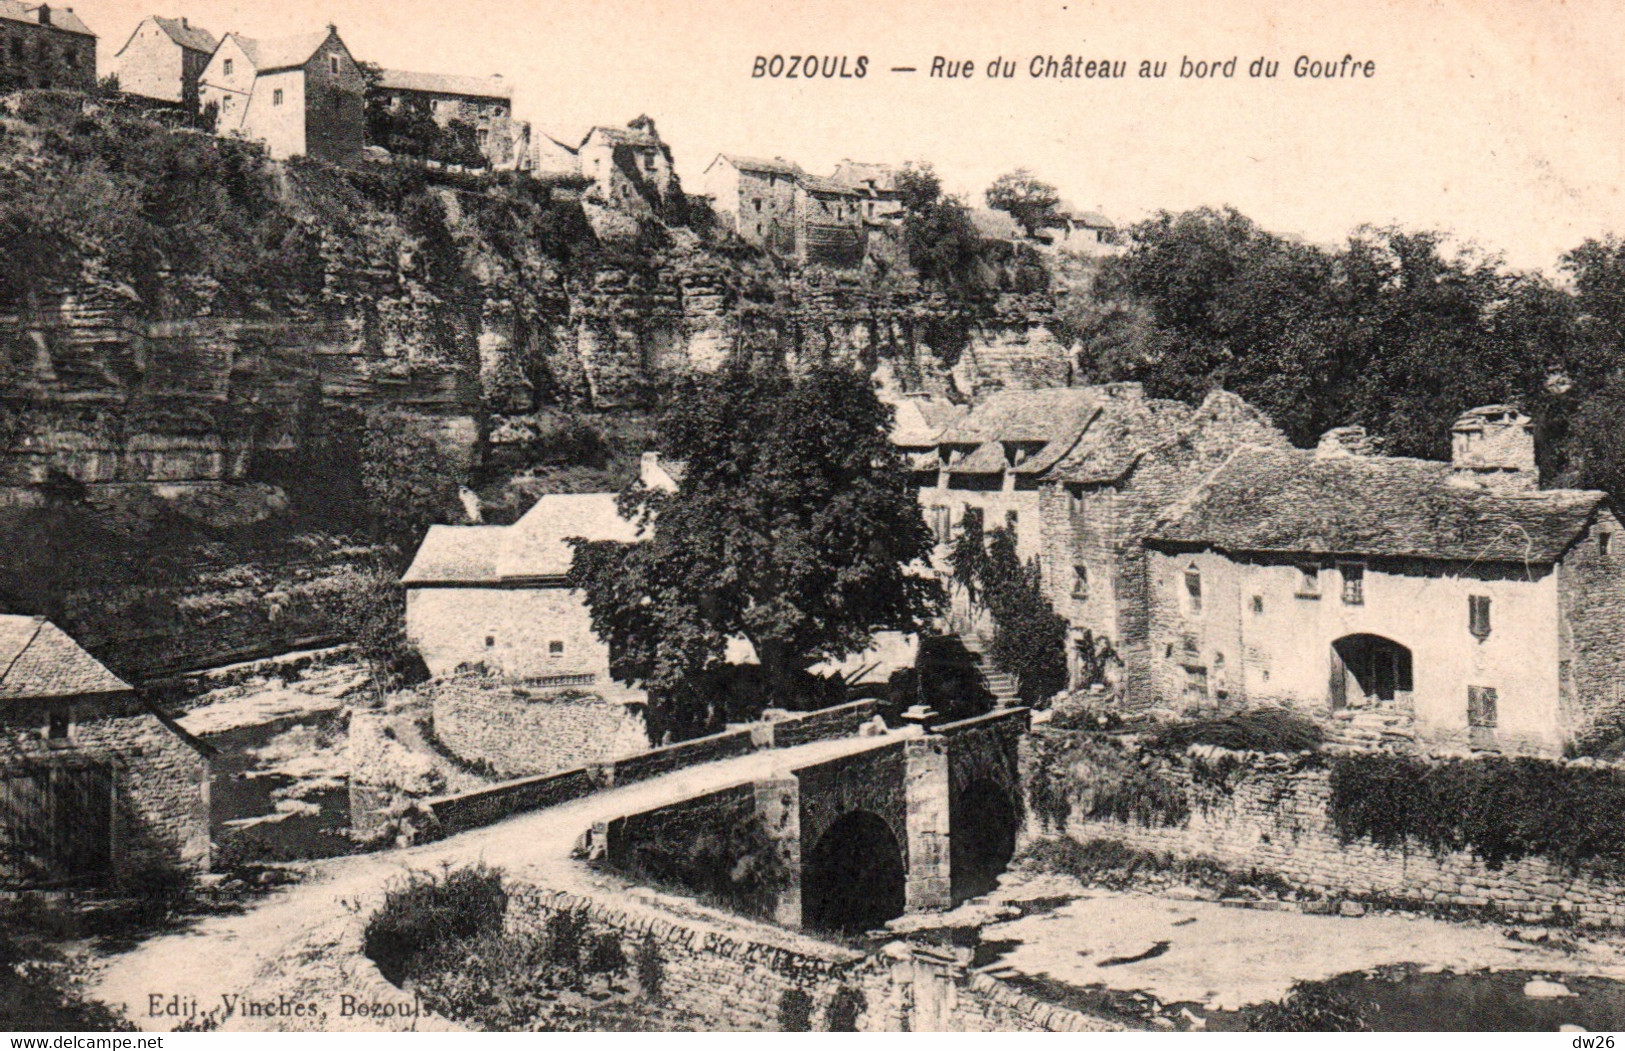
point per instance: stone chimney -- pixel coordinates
(654, 475)
(44, 12)
(1493, 447)
(1344, 441)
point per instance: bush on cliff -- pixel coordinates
(1260, 730)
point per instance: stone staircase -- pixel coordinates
(1005, 687)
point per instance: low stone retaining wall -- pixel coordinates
(1274, 817)
(735, 981)
(484, 806)
(517, 730)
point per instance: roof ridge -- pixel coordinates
(39, 626)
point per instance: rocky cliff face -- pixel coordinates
(270, 294)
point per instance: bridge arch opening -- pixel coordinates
(853, 880)
(1368, 671)
(982, 823)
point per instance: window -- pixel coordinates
(1080, 582)
(333, 64)
(1478, 616)
(1353, 583)
(1308, 581)
(1603, 540)
(1481, 707)
(555, 648)
(226, 67)
(482, 136)
(940, 524)
(1010, 520)
(276, 97)
(60, 722)
(70, 57)
(1193, 590)
(1258, 603)
(490, 640)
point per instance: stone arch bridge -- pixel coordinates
(895, 824)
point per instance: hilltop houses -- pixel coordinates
(300, 95)
(45, 47)
(485, 104)
(775, 205)
(164, 60)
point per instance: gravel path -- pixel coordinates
(300, 945)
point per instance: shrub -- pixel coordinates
(1501, 809)
(845, 1008)
(1311, 1008)
(428, 911)
(565, 931)
(651, 968)
(1260, 730)
(1095, 774)
(740, 865)
(795, 1012)
(606, 956)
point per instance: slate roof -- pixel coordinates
(918, 422)
(883, 177)
(1291, 501)
(819, 184)
(61, 18)
(445, 84)
(187, 35)
(532, 548)
(777, 166)
(1094, 220)
(622, 136)
(1055, 417)
(38, 659)
(457, 554)
(285, 52)
(1123, 432)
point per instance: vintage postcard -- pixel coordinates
(817, 515)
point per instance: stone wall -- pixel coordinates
(745, 978)
(1274, 818)
(518, 730)
(160, 777)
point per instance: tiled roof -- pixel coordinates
(187, 35)
(1115, 440)
(445, 84)
(777, 166)
(883, 177)
(1292, 501)
(62, 18)
(1093, 220)
(37, 659)
(622, 136)
(457, 554)
(281, 52)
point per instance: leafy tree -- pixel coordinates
(1029, 637)
(941, 241)
(372, 615)
(408, 480)
(1029, 200)
(794, 528)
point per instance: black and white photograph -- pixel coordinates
(998, 516)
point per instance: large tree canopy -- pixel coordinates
(1028, 199)
(795, 527)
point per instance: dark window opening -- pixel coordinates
(1478, 616)
(490, 640)
(59, 725)
(1353, 583)
(1603, 540)
(1080, 582)
(1258, 603)
(1193, 590)
(555, 648)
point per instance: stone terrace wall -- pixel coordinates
(519, 731)
(1275, 819)
(742, 981)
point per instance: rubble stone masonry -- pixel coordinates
(1275, 819)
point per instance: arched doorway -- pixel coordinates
(1370, 671)
(853, 879)
(982, 823)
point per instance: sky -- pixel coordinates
(1501, 122)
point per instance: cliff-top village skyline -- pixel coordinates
(1124, 148)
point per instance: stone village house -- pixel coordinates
(1079, 474)
(483, 103)
(163, 60)
(1455, 603)
(775, 205)
(94, 785)
(300, 95)
(45, 47)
